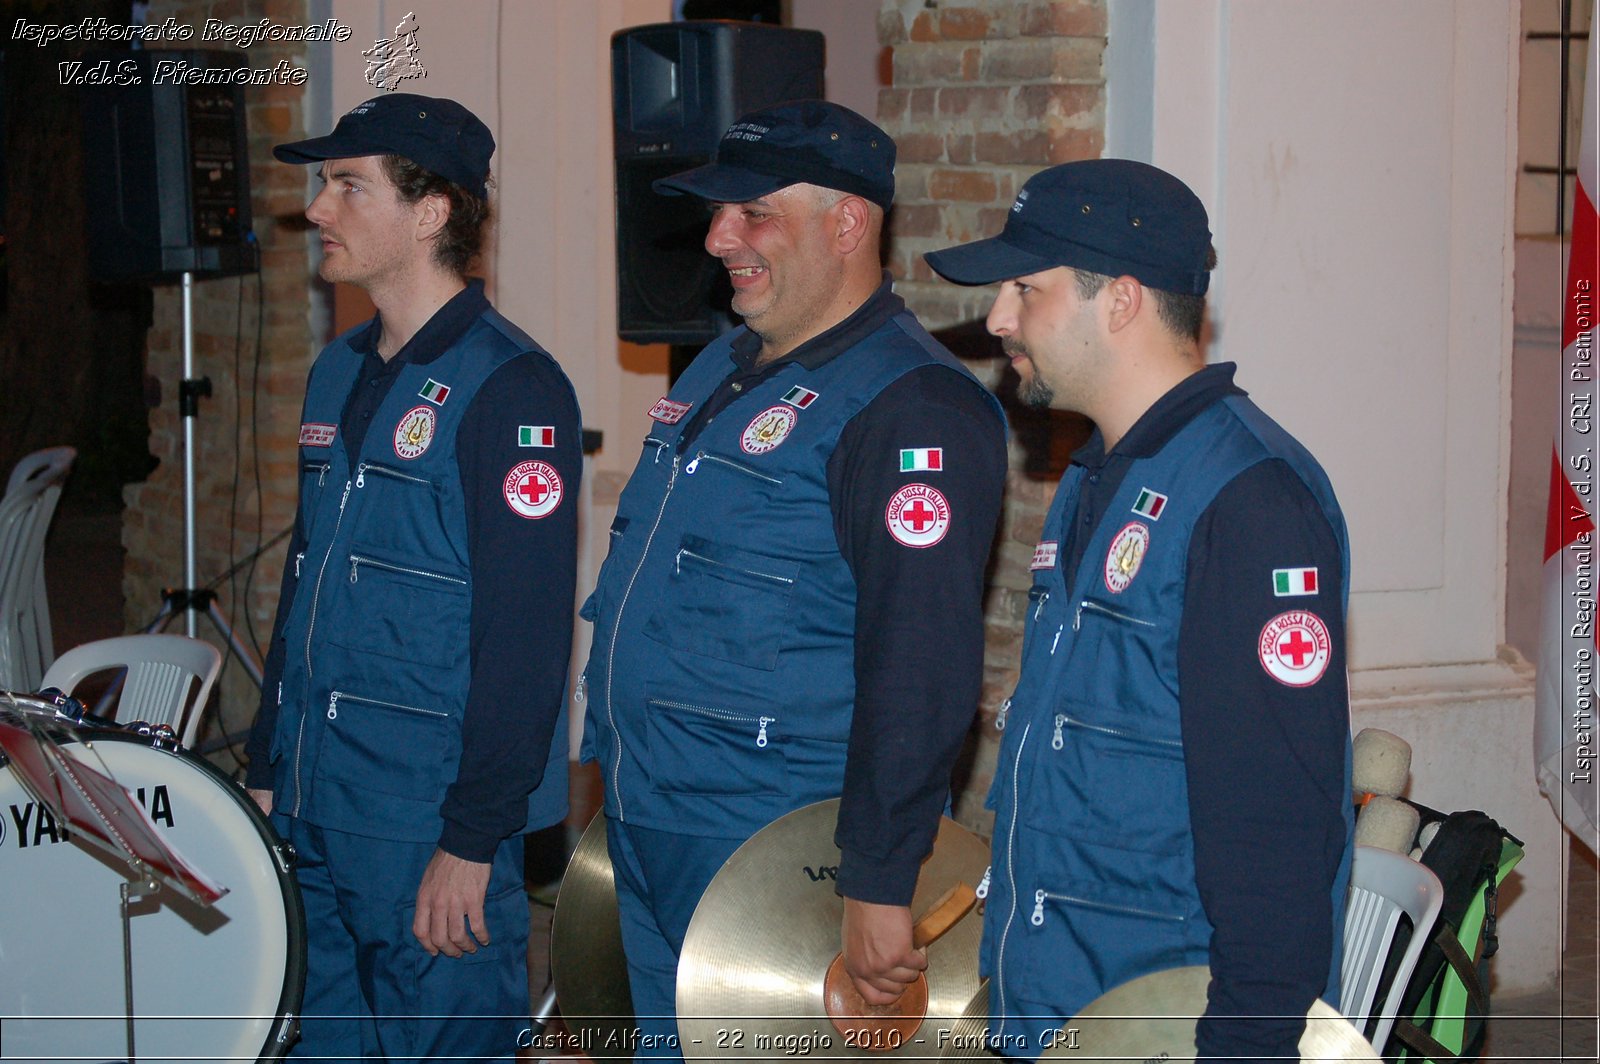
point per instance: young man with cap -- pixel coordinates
(791, 607)
(1174, 782)
(417, 669)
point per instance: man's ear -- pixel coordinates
(432, 213)
(854, 222)
(1124, 299)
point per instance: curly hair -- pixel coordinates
(462, 236)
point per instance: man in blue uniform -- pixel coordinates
(1173, 785)
(791, 607)
(418, 663)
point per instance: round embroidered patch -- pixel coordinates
(533, 489)
(1294, 648)
(767, 429)
(1125, 556)
(415, 432)
(917, 515)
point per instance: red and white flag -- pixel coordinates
(1565, 713)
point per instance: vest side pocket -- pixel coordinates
(726, 603)
(706, 750)
(385, 764)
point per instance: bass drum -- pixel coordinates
(215, 983)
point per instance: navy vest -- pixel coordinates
(377, 664)
(1092, 882)
(721, 682)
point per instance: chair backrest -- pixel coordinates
(1383, 885)
(161, 671)
(26, 510)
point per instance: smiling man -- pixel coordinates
(1174, 779)
(792, 606)
(418, 663)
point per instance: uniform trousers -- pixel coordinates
(372, 991)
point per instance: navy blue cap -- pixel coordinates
(438, 135)
(813, 141)
(1110, 216)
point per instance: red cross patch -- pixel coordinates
(1294, 648)
(917, 515)
(533, 489)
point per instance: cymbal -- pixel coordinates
(968, 1034)
(586, 961)
(1154, 1016)
(750, 977)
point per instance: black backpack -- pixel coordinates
(1442, 1014)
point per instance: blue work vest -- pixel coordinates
(721, 682)
(377, 663)
(1093, 880)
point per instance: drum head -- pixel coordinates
(208, 983)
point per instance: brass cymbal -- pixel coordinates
(750, 977)
(1154, 1016)
(967, 1035)
(586, 962)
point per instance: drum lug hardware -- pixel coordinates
(286, 856)
(287, 1029)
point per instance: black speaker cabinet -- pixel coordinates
(675, 88)
(166, 166)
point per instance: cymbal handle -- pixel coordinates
(943, 915)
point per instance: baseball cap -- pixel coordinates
(438, 135)
(1110, 216)
(813, 141)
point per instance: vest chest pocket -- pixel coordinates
(725, 603)
(405, 611)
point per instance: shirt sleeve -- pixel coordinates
(915, 486)
(524, 577)
(1265, 716)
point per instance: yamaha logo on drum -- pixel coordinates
(37, 825)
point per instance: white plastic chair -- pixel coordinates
(26, 510)
(161, 671)
(1383, 885)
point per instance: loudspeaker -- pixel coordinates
(675, 88)
(166, 165)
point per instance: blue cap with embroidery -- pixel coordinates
(809, 141)
(1108, 216)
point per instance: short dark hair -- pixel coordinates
(462, 236)
(1180, 312)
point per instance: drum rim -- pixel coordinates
(279, 1035)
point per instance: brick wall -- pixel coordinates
(256, 415)
(984, 94)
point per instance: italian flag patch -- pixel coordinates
(434, 392)
(799, 397)
(536, 435)
(1291, 582)
(1150, 504)
(920, 459)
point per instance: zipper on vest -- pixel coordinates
(611, 651)
(1011, 875)
(1044, 596)
(685, 552)
(1039, 897)
(358, 560)
(311, 627)
(298, 558)
(749, 471)
(583, 681)
(983, 884)
(320, 468)
(1120, 733)
(1000, 717)
(1056, 739)
(394, 474)
(722, 714)
(1094, 607)
(334, 698)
